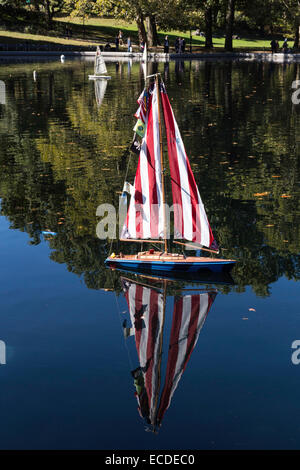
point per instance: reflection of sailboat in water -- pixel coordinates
(147, 304)
(100, 71)
(100, 89)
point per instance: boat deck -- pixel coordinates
(174, 258)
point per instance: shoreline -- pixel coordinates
(159, 56)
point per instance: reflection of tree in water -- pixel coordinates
(61, 156)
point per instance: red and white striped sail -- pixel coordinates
(189, 315)
(145, 213)
(190, 220)
(146, 313)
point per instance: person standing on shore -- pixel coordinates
(166, 45)
(183, 45)
(128, 44)
(273, 46)
(120, 38)
(117, 42)
(285, 45)
(176, 45)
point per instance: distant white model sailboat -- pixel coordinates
(144, 62)
(100, 70)
(145, 54)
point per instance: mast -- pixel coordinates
(154, 424)
(161, 164)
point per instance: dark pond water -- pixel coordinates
(67, 369)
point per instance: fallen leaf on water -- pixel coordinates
(251, 156)
(270, 225)
(285, 195)
(251, 309)
(276, 176)
(285, 241)
(262, 194)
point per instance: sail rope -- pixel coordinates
(121, 323)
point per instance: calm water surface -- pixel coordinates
(66, 373)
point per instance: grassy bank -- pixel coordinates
(74, 32)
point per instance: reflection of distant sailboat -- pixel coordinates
(2, 92)
(100, 88)
(99, 67)
(146, 304)
(129, 65)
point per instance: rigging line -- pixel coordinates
(121, 323)
(130, 153)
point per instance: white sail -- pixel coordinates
(144, 58)
(100, 71)
(100, 67)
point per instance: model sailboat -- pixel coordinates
(145, 54)
(100, 71)
(155, 385)
(148, 215)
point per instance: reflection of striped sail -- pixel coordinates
(145, 213)
(100, 67)
(100, 88)
(146, 313)
(189, 315)
(146, 308)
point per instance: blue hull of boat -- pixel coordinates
(169, 267)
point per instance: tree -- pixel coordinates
(229, 24)
(292, 10)
(52, 7)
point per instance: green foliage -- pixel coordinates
(61, 155)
